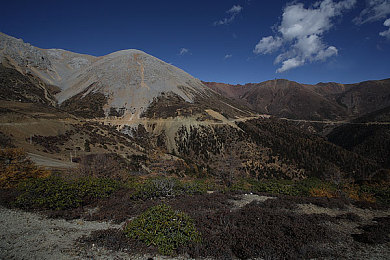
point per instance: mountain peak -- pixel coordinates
(129, 79)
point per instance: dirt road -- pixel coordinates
(49, 162)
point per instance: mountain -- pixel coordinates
(122, 83)
(159, 119)
(331, 101)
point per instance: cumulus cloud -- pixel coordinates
(183, 51)
(290, 64)
(228, 56)
(300, 33)
(232, 12)
(268, 45)
(387, 32)
(375, 10)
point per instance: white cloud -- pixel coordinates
(375, 10)
(326, 53)
(268, 45)
(233, 12)
(183, 51)
(301, 33)
(290, 64)
(228, 56)
(387, 32)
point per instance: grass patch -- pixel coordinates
(164, 228)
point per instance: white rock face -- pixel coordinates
(51, 65)
(129, 78)
(22, 53)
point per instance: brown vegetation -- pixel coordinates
(86, 104)
(15, 167)
(24, 88)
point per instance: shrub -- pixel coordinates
(275, 187)
(314, 187)
(322, 192)
(56, 193)
(5, 141)
(16, 167)
(164, 228)
(167, 187)
(381, 192)
(307, 187)
(367, 193)
(244, 185)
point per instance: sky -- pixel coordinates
(235, 42)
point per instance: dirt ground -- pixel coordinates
(25, 235)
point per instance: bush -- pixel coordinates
(56, 193)
(381, 192)
(16, 167)
(244, 185)
(164, 228)
(322, 192)
(316, 188)
(308, 187)
(275, 187)
(167, 187)
(366, 193)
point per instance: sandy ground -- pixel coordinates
(244, 199)
(25, 235)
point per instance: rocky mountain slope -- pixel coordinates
(124, 83)
(283, 98)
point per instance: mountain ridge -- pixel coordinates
(284, 98)
(130, 80)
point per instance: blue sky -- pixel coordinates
(235, 42)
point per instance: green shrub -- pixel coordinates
(307, 186)
(275, 187)
(287, 187)
(244, 185)
(381, 192)
(164, 228)
(57, 193)
(167, 187)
